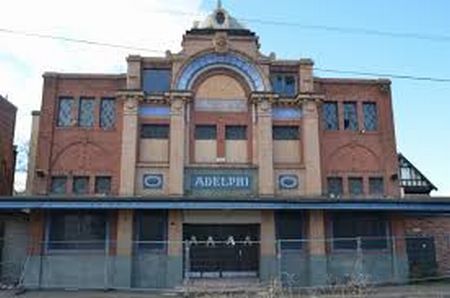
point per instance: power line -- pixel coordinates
(337, 29)
(121, 46)
(77, 40)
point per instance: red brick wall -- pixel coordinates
(357, 153)
(75, 151)
(437, 227)
(7, 156)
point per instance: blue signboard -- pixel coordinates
(223, 182)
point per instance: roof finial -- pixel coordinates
(219, 4)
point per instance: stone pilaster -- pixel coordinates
(311, 151)
(130, 130)
(124, 249)
(178, 100)
(306, 82)
(317, 248)
(134, 73)
(263, 102)
(268, 262)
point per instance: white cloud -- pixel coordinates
(23, 60)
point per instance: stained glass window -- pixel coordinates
(86, 112)
(155, 131)
(236, 132)
(285, 132)
(350, 116)
(370, 116)
(65, 111)
(334, 186)
(355, 186)
(376, 185)
(330, 116)
(102, 185)
(80, 185)
(108, 113)
(58, 185)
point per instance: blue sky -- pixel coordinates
(420, 108)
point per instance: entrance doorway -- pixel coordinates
(219, 251)
(421, 257)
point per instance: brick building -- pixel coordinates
(219, 161)
(7, 149)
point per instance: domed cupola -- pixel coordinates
(220, 19)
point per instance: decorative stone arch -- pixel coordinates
(199, 65)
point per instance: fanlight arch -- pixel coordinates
(206, 62)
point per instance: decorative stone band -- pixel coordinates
(232, 61)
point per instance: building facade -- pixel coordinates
(7, 149)
(214, 162)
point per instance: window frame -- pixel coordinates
(280, 127)
(101, 123)
(80, 178)
(356, 219)
(355, 119)
(198, 135)
(341, 183)
(379, 178)
(160, 246)
(349, 185)
(92, 112)
(146, 81)
(53, 178)
(155, 128)
(97, 178)
(290, 244)
(98, 246)
(232, 136)
(70, 123)
(284, 75)
(325, 121)
(376, 116)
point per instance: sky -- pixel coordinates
(421, 108)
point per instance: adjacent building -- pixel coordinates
(220, 161)
(7, 149)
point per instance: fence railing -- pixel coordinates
(294, 263)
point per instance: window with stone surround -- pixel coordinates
(65, 107)
(330, 115)
(350, 116)
(156, 80)
(86, 112)
(370, 228)
(107, 113)
(285, 132)
(155, 131)
(370, 116)
(77, 230)
(285, 84)
(58, 185)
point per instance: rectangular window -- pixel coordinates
(370, 116)
(86, 112)
(334, 185)
(77, 230)
(80, 185)
(151, 229)
(65, 106)
(330, 116)
(285, 132)
(284, 84)
(107, 113)
(58, 185)
(350, 116)
(155, 131)
(376, 186)
(355, 186)
(236, 132)
(370, 228)
(156, 80)
(289, 229)
(103, 185)
(205, 132)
